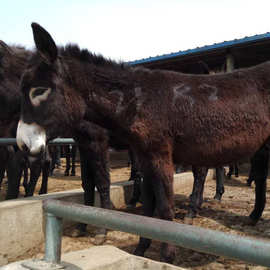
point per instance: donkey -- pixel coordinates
(70, 152)
(199, 174)
(93, 151)
(165, 116)
(70, 155)
(12, 63)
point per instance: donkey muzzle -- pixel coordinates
(31, 138)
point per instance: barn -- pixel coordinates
(219, 57)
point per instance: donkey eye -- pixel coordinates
(39, 94)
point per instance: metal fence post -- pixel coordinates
(53, 238)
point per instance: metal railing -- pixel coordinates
(203, 240)
(58, 141)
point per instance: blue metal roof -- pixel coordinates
(215, 46)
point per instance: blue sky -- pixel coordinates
(128, 30)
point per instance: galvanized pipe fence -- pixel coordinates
(57, 141)
(203, 240)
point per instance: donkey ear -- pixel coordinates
(5, 48)
(45, 44)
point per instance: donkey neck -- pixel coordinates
(106, 90)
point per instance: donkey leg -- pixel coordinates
(53, 154)
(219, 183)
(259, 163)
(158, 171)
(2, 173)
(196, 197)
(236, 170)
(94, 172)
(163, 190)
(46, 164)
(250, 175)
(14, 173)
(35, 170)
(67, 150)
(88, 186)
(100, 165)
(4, 156)
(137, 177)
(73, 158)
(93, 146)
(231, 169)
(25, 177)
(134, 165)
(148, 210)
(136, 194)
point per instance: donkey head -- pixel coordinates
(45, 112)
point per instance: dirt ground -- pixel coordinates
(227, 216)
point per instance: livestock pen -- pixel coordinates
(227, 216)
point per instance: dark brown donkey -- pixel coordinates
(13, 61)
(202, 120)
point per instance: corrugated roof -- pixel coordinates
(215, 46)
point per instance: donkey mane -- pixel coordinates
(104, 69)
(13, 60)
(84, 55)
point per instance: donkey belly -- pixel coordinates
(215, 154)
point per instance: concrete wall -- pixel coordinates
(21, 220)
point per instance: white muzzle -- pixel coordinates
(31, 136)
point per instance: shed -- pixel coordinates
(243, 52)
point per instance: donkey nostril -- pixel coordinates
(42, 149)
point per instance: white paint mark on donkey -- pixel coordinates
(214, 91)
(181, 91)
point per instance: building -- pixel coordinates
(222, 56)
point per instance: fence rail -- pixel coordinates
(204, 240)
(58, 141)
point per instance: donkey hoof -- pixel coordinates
(188, 220)
(249, 183)
(99, 239)
(131, 206)
(132, 203)
(217, 197)
(252, 219)
(167, 253)
(78, 233)
(138, 252)
(251, 222)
